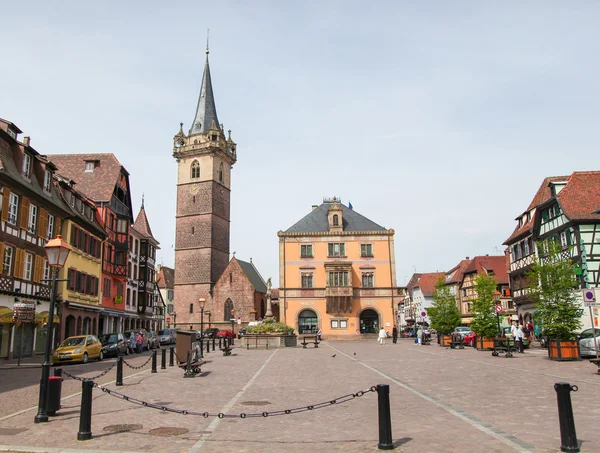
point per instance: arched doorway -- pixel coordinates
(369, 321)
(87, 325)
(70, 326)
(307, 322)
(262, 308)
(78, 331)
(227, 309)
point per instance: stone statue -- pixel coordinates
(269, 313)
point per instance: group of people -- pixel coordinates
(135, 342)
(383, 335)
(519, 333)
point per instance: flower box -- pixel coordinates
(484, 344)
(563, 350)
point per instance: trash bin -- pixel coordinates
(54, 389)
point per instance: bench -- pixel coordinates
(192, 366)
(596, 362)
(226, 349)
(504, 344)
(256, 341)
(315, 342)
(457, 342)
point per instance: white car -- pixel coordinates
(586, 343)
(463, 331)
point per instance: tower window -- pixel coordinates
(194, 199)
(230, 277)
(193, 230)
(195, 169)
(335, 220)
(221, 173)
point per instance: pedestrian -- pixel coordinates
(132, 343)
(382, 336)
(318, 334)
(513, 330)
(140, 340)
(420, 336)
(530, 328)
(519, 339)
(394, 335)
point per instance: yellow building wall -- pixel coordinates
(82, 262)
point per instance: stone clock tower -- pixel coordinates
(204, 161)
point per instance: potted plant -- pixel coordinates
(443, 313)
(484, 322)
(553, 286)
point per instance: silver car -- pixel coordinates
(586, 342)
(165, 336)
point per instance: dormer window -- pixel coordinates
(195, 169)
(12, 133)
(89, 165)
(26, 165)
(213, 137)
(336, 221)
(47, 180)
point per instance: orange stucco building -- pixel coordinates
(337, 273)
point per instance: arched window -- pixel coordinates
(195, 169)
(221, 173)
(227, 310)
(307, 322)
(335, 220)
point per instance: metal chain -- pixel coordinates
(138, 367)
(89, 378)
(338, 400)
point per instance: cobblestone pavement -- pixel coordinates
(442, 400)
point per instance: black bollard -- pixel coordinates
(163, 359)
(85, 416)
(214, 342)
(220, 346)
(172, 356)
(568, 436)
(154, 362)
(119, 371)
(385, 418)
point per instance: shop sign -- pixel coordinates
(24, 312)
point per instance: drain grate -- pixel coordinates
(166, 431)
(255, 403)
(122, 428)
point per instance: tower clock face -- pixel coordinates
(194, 189)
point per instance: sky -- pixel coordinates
(437, 119)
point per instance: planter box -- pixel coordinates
(444, 340)
(562, 350)
(484, 344)
(269, 341)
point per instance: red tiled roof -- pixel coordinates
(274, 293)
(427, 282)
(412, 283)
(581, 196)
(142, 226)
(484, 264)
(457, 271)
(99, 184)
(166, 277)
(543, 194)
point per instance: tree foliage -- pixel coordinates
(553, 283)
(484, 322)
(443, 313)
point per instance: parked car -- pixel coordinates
(153, 341)
(166, 336)
(469, 338)
(144, 337)
(114, 344)
(507, 334)
(463, 331)
(211, 333)
(586, 342)
(78, 349)
(224, 334)
(241, 332)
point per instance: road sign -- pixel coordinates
(589, 298)
(24, 312)
(423, 313)
(499, 308)
(168, 319)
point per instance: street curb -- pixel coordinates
(22, 367)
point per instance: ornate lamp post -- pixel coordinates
(232, 323)
(57, 252)
(201, 302)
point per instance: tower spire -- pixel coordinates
(206, 112)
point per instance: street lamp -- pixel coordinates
(201, 302)
(232, 323)
(497, 295)
(57, 252)
(174, 318)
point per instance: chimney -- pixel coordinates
(467, 258)
(26, 141)
(314, 206)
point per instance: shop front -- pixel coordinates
(78, 319)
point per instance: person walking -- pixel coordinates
(394, 335)
(318, 334)
(132, 343)
(519, 339)
(420, 336)
(382, 336)
(140, 340)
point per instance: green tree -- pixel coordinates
(553, 283)
(484, 322)
(443, 313)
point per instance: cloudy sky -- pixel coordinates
(438, 119)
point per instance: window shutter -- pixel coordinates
(2, 256)
(5, 203)
(57, 227)
(38, 269)
(19, 261)
(42, 223)
(25, 213)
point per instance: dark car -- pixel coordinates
(211, 333)
(241, 332)
(113, 344)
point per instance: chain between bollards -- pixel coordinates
(85, 416)
(568, 436)
(385, 418)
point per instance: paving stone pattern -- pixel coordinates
(442, 400)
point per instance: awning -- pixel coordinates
(42, 318)
(120, 314)
(83, 306)
(6, 315)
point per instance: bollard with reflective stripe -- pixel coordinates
(385, 418)
(85, 416)
(119, 371)
(568, 436)
(154, 362)
(172, 356)
(163, 359)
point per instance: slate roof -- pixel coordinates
(206, 111)
(316, 221)
(98, 185)
(483, 264)
(427, 282)
(253, 275)
(166, 277)
(142, 226)
(458, 271)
